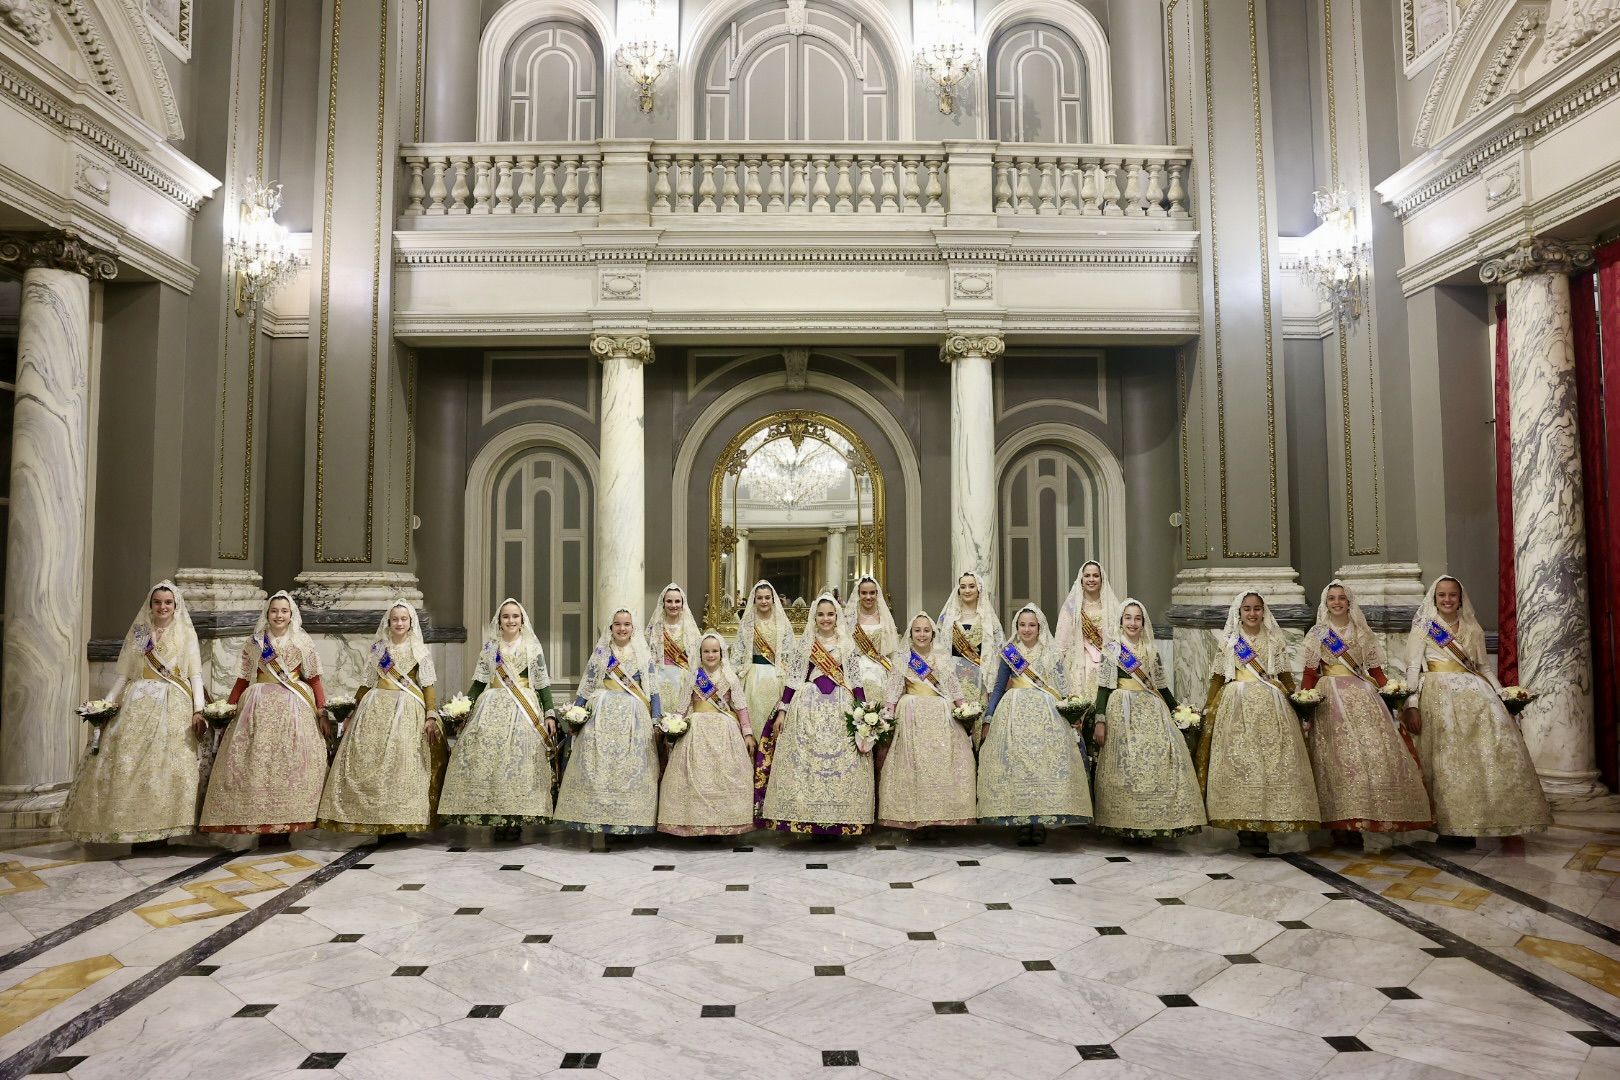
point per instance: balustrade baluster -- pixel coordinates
(458, 189)
(1177, 194)
(729, 188)
(1068, 182)
(1155, 189)
(660, 203)
(436, 190)
(775, 184)
(864, 188)
(1004, 189)
(706, 188)
(683, 182)
(1047, 193)
(525, 184)
(1135, 202)
(799, 184)
(936, 185)
(821, 189)
(481, 185)
(909, 191)
(548, 186)
(1088, 187)
(503, 186)
(1110, 190)
(1026, 186)
(593, 185)
(568, 198)
(413, 205)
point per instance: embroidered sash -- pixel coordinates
(508, 682)
(399, 680)
(1246, 656)
(828, 664)
(271, 664)
(161, 670)
(868, 648)
(709, 692)
(1092, 631)
(675, 652)
(960, 642)
(625, 682)
(762, 647)
(1020, 665)
(1448, 641)
(1132, 666)
(1339, 649)
(920, 672)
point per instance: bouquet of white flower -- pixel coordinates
(674, 725)
(1186, 717)
(1075, 709)
(967, 714)
(97, 713)
(1305, 702)
(339, 708)
(457, 708)
(576, 715)
(1517, 699)
(867, 726)
(1394, 692)
(219, 713)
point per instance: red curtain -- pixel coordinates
(1596, 326)
(1507, 595)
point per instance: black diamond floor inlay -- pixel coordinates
(945, 1008)
(1241, 958)
(362, 866)
(713, 1011)
(1063, 881)
(1399, 993)
(468, 910)
(1038, 965)
(967, 862)
(410, 970)
(1097, 1053)
(321, 1061)
(1596, 1038)
(1293, 924)
(618, 972)
(736, 888)
(899, 884)
(829, 969)
(885, 847)
(411, 888)
(512, 866)
(1119, 858)
(644, 911)
(1219, 877)
(294, 910)
(536, 939)
(254, 1010)
(815, 866)
(840, 1057)
(337, 938)
(581, 1061)
(921, 935)
(61, 1064)
(1177, 1001)
(822, 910)
(1109, 931)
(202, 969)
(1170, 901)
(1345, 1044)
(485, 1012)
(998, 907)
(664, 866)
(572, 888)
(456, 849)
(728, 939)
(743, 847)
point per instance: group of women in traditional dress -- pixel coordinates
(1019, 728)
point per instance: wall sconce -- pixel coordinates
(643, 51)
(948, 52)
(1337, 259)
(260, 253)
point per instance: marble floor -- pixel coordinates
(764, 958)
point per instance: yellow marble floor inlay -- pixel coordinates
(1419, 883)
(217, 896)
(1597, 858)
(47, 989)
(1585, 964)
(23, 879)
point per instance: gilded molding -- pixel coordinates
(977, 344)
(64, 250)
(627, 346)
(1537, 256)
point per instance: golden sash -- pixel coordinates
(1130, 682)
(501, 680)
(273, 667)
(629, 685)
(868, 649)
(763, 647)
(1446, 667)
(1033, 676)
(675, 653)
(1091, 630)
(714, 700)
(161, 670)
(1252, 665)
(829, 666)
(1462, 658)
(399, 680)
(1334, 669)
(960, 642)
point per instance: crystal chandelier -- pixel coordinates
(643, 52)
(947, 52)
(260, 252)
(1337, 259)
(793, 477)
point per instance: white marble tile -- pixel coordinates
(1291, 999)
(724, 974)
(1258, 900)
(1157, 878)
(935, 970)
(241, 1048)
(834, 1014)
(1334, 956)
(1456, 981)
(986, 884)
(12, 932)
(185, 1004)
(819, 888)
(1115, 1069)
(1066, 1007)
(898, 865)
(629, 940)
(286, 976)
(965, 1048)
(1201, 928)
(48, 1021)
(378, 913)
(713, 1049)
(1088, 906)
(482, 888)
(1139, 963)
(1372, 1066)
(351, 885)
(548, 912)
(505, 976)
(464, 1050)
(592, 1015)
(115, 934)
(1603, 1063)
(357, 1016)
(1355, 919)
(732, 912)
(1198, 1044)
(825, 939)
(1475, 1043)
(435, 941)
(1017, 935)
(910, 909)
(660, 890)
(280, 934)
(1046, 863)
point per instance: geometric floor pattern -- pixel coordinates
(770, 957)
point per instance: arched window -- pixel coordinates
(804, 71)
(540, 536)
(1050, 525)
(551, 84)
(1037, 85)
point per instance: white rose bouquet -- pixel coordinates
(674, 725)
(1187, 718)
(1305, 702)
(575, 716)
(97, 713)
(458, 708)
(967, 714)
(867, 726)
(218, 713)
(1517, 699)
(1075, 709)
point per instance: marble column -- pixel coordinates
(973, 451)
(1549, 521)
(45, 586)
(621, 494)
(835, 560)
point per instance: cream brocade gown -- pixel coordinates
(383, 778)
(271, 764)
(499, 772)
(762, 681)
(1031, 770)
(143, 785)
(611, 785)
(1252, 758)
(708, 786)
(874, 674)
(1474, 758)
(1367, 778)
(819, 782)
(927, 777)
(1146, 783)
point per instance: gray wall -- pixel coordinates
(1309, 496)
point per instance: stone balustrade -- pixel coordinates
(952, 182)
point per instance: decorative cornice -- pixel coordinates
(56, 251)
(505, 256)
(1504, 60)
(30, 18)
(626, 346)
(1580, 22)
(981, 344)
(1537, 256)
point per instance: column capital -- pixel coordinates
(631, 346)
(56, 251)
(960, 345)
(1537, 255)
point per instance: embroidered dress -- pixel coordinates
(973, 636)
(927, 777)
(810, 777)
(385, 775)
(675, 648)
(500, 771)
(611, 785)
(708, 785)
(271, 764)
(1032, 770)
(761, 651)
(1367, 773)
(1146, 785)
(143, 785)
(1474, 758)
(874, 637)
(1084, 626)
(1252, 759)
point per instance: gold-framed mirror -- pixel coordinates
(795, 497)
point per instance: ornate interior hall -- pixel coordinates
(461, 307)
